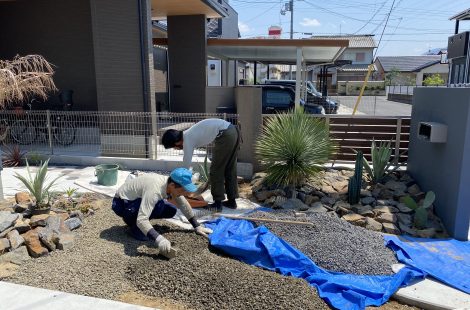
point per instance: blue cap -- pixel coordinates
(183, 177)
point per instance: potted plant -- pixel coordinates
(38, 188)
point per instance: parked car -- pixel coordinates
(313, 95)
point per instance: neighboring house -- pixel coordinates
(411, 70)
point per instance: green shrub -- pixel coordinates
(292, 146)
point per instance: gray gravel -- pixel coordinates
(334, 244)
(105, 262)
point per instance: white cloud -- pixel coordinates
(244, 28)
(310, 22)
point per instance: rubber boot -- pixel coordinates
(216, 206)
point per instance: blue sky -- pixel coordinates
(414, 26)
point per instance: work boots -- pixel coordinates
(216, 206)
(230, 203)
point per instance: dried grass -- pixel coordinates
(24, 77)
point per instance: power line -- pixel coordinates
(385, 26)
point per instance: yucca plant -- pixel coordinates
(204, 175)
(380, 161)
(13, 156)
(292, 146)
(38, 186)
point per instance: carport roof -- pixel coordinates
(274, 51)
(161, 9)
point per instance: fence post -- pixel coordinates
(397, 141)
(225, 116)
(154, 125)
(49, 130)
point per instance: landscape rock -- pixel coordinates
(385, 194)
(372, 224)
(261, 196)
(301, 196)
(311, 199)
(376, 192)
(57, 224)
(406, 178)
(294, 204)
(21, 207)
(5, 232)
(327, 189)
(391, 228)
(22, 197)
(34, 245)
(405, 229)
(18, 256)
(64, 216)
(81, 216)
(48, 237)
(404, 208)
(386, 218)
(342, 204)
(22, 226)
(15, 239)
(414, 189)
(66, 241)
(39, 220)
(328, 200)
(404, 219)
(360, 208)
(385, 209)
(340, 187)
(279, 201)
(426, 233)
(368, 201)
(355, 219)
(317, 207)
(4, 245)
(7, 219)
(366, 193)
(396, 186)
(7, 270)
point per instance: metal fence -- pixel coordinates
(87, 133)
(400, 89)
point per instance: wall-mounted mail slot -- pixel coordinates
(432, 132)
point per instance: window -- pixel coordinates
(360, 56)
(278, 98)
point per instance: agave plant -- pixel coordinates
(380, 161)
(292, 146)
(70, 192)
(38, 186)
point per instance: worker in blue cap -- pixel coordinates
(147, 197)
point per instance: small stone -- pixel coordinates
(311, 199)
(317, 207)
(22, 197)
(293, 204)
(360, 208)
(73, 223)
(33, 244)
(15, 239)
(81, 216)
(22, 226)
(7, 270)
(405, 229)
(391, 228)
(376, 192)
(341, 186)
(280, 200)
(327, 189)
(414, 189)
(21, 207)
(419, 196)
(386, 209)
(385, 194)
(5, 232)
(332, 214)
(355, 219)
(48, 238)
(18, 256)
(367, 213)
(386, 218)
(368, 201)
(328, 200)
(39, 220)
(342, 204)
(64, 216)
(366, 193)
(4, 245)
(396, 186)
(301, 196)
(7, 219)
(404, 219)
(406, 178)
(404, 208)
(66, 241)
(372, 224)
(270, 200)
(343, 211)
(426, 233)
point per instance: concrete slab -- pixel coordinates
(430, 294)
(22, 297)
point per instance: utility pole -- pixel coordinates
(289, 7)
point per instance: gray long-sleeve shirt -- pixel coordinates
(201, 134)
(151, 188)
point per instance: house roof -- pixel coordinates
(355, 68)
(464, 15)
(355, 41)
(407, 63)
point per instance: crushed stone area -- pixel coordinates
(334, 244)
(106, 263)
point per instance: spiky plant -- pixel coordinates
(292, 146)
(380, 161)
(24, 77)
(13, 156)
(70, 192)
(38, 186)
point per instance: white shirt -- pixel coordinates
(199, 135)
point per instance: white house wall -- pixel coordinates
(350, 54)
(439, 68)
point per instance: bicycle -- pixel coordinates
(26, 131)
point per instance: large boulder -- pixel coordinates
(34, 245)
(17, 256)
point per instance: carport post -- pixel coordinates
(298, 77)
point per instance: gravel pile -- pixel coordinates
(334, 244)
(106, 263)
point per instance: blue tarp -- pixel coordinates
(259, 247)
(447, 260)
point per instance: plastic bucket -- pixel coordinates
(107, 174)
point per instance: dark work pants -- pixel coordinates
(223, 171)
(129, 209)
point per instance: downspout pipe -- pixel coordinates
(145, 79)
